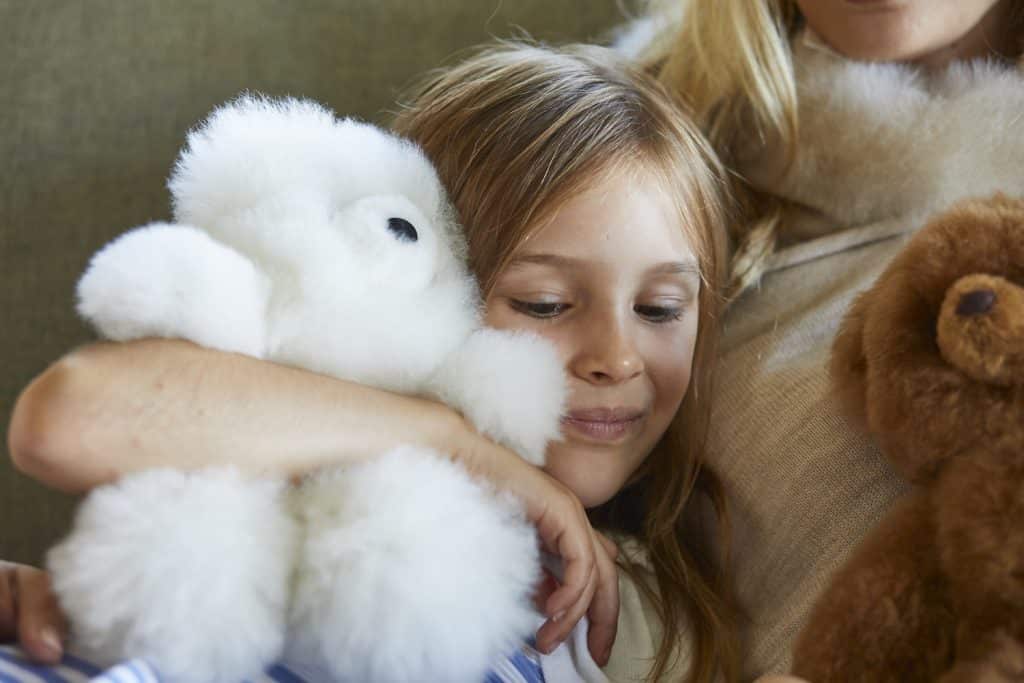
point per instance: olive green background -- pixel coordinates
(95, 100)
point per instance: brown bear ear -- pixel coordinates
(848, 365)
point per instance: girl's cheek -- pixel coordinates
(669, 363)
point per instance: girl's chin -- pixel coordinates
(584, 478)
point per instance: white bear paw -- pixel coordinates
(175, 281)
(510, 385)
(186, 570)
(411, 571)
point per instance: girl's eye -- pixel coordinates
(659, 314)
(539, 309)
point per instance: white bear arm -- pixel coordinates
(175, 281)
(510, 385)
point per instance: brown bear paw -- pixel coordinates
(981, 329)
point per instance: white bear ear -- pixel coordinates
(248, 150)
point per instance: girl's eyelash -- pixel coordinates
(539, 309)
(659, 314)
(551, 309)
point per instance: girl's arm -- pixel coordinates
(110, 409)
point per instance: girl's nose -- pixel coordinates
(608, 355)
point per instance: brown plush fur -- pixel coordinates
(931, 361)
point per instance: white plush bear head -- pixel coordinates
(350, 228)
(285, 182)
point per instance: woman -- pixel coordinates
(844, 123)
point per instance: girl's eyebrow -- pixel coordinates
(545, 260)
(687, 267)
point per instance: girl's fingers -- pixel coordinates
(548, 585)
(604, 608)
(566, 534)
(608, 545)
(556, 630)
(40, 622)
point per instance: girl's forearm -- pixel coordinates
(108, 409)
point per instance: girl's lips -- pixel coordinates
(603, 424)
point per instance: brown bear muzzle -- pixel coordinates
(980, 329)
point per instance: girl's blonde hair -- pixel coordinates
(731, 60)
(515, 132)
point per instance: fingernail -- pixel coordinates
(50, 640)
(558, 616)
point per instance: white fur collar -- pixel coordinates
(883, 141)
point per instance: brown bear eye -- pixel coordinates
(403, 229)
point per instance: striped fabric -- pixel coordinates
(521, 667)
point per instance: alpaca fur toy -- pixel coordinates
(931, 360)
(328, 245)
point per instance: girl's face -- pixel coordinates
(612, 281)
(929, 31)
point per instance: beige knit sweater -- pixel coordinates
(881, 147)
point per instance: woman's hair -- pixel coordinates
(731, 60)
(515, 132)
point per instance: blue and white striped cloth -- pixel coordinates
(521, 667)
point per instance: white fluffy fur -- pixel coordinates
(292, 259)
(879, 141)
(119, 575)
(509, 385)
(174, 281)
(384, 596)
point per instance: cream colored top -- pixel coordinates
(639, 630)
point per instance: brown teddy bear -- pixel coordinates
(931, 361)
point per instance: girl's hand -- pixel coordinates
(29, 613)
(590, 581)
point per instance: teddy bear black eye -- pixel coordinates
(403, 229)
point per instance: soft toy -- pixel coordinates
(328, 245)
(931, 360)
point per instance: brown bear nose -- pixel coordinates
(975, 303)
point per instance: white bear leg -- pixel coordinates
(189, 571)
(411, 571)
(175, 281)
(510, 385)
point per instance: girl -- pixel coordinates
(593, 214)
(836, 160)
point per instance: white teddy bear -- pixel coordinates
(329, 245)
